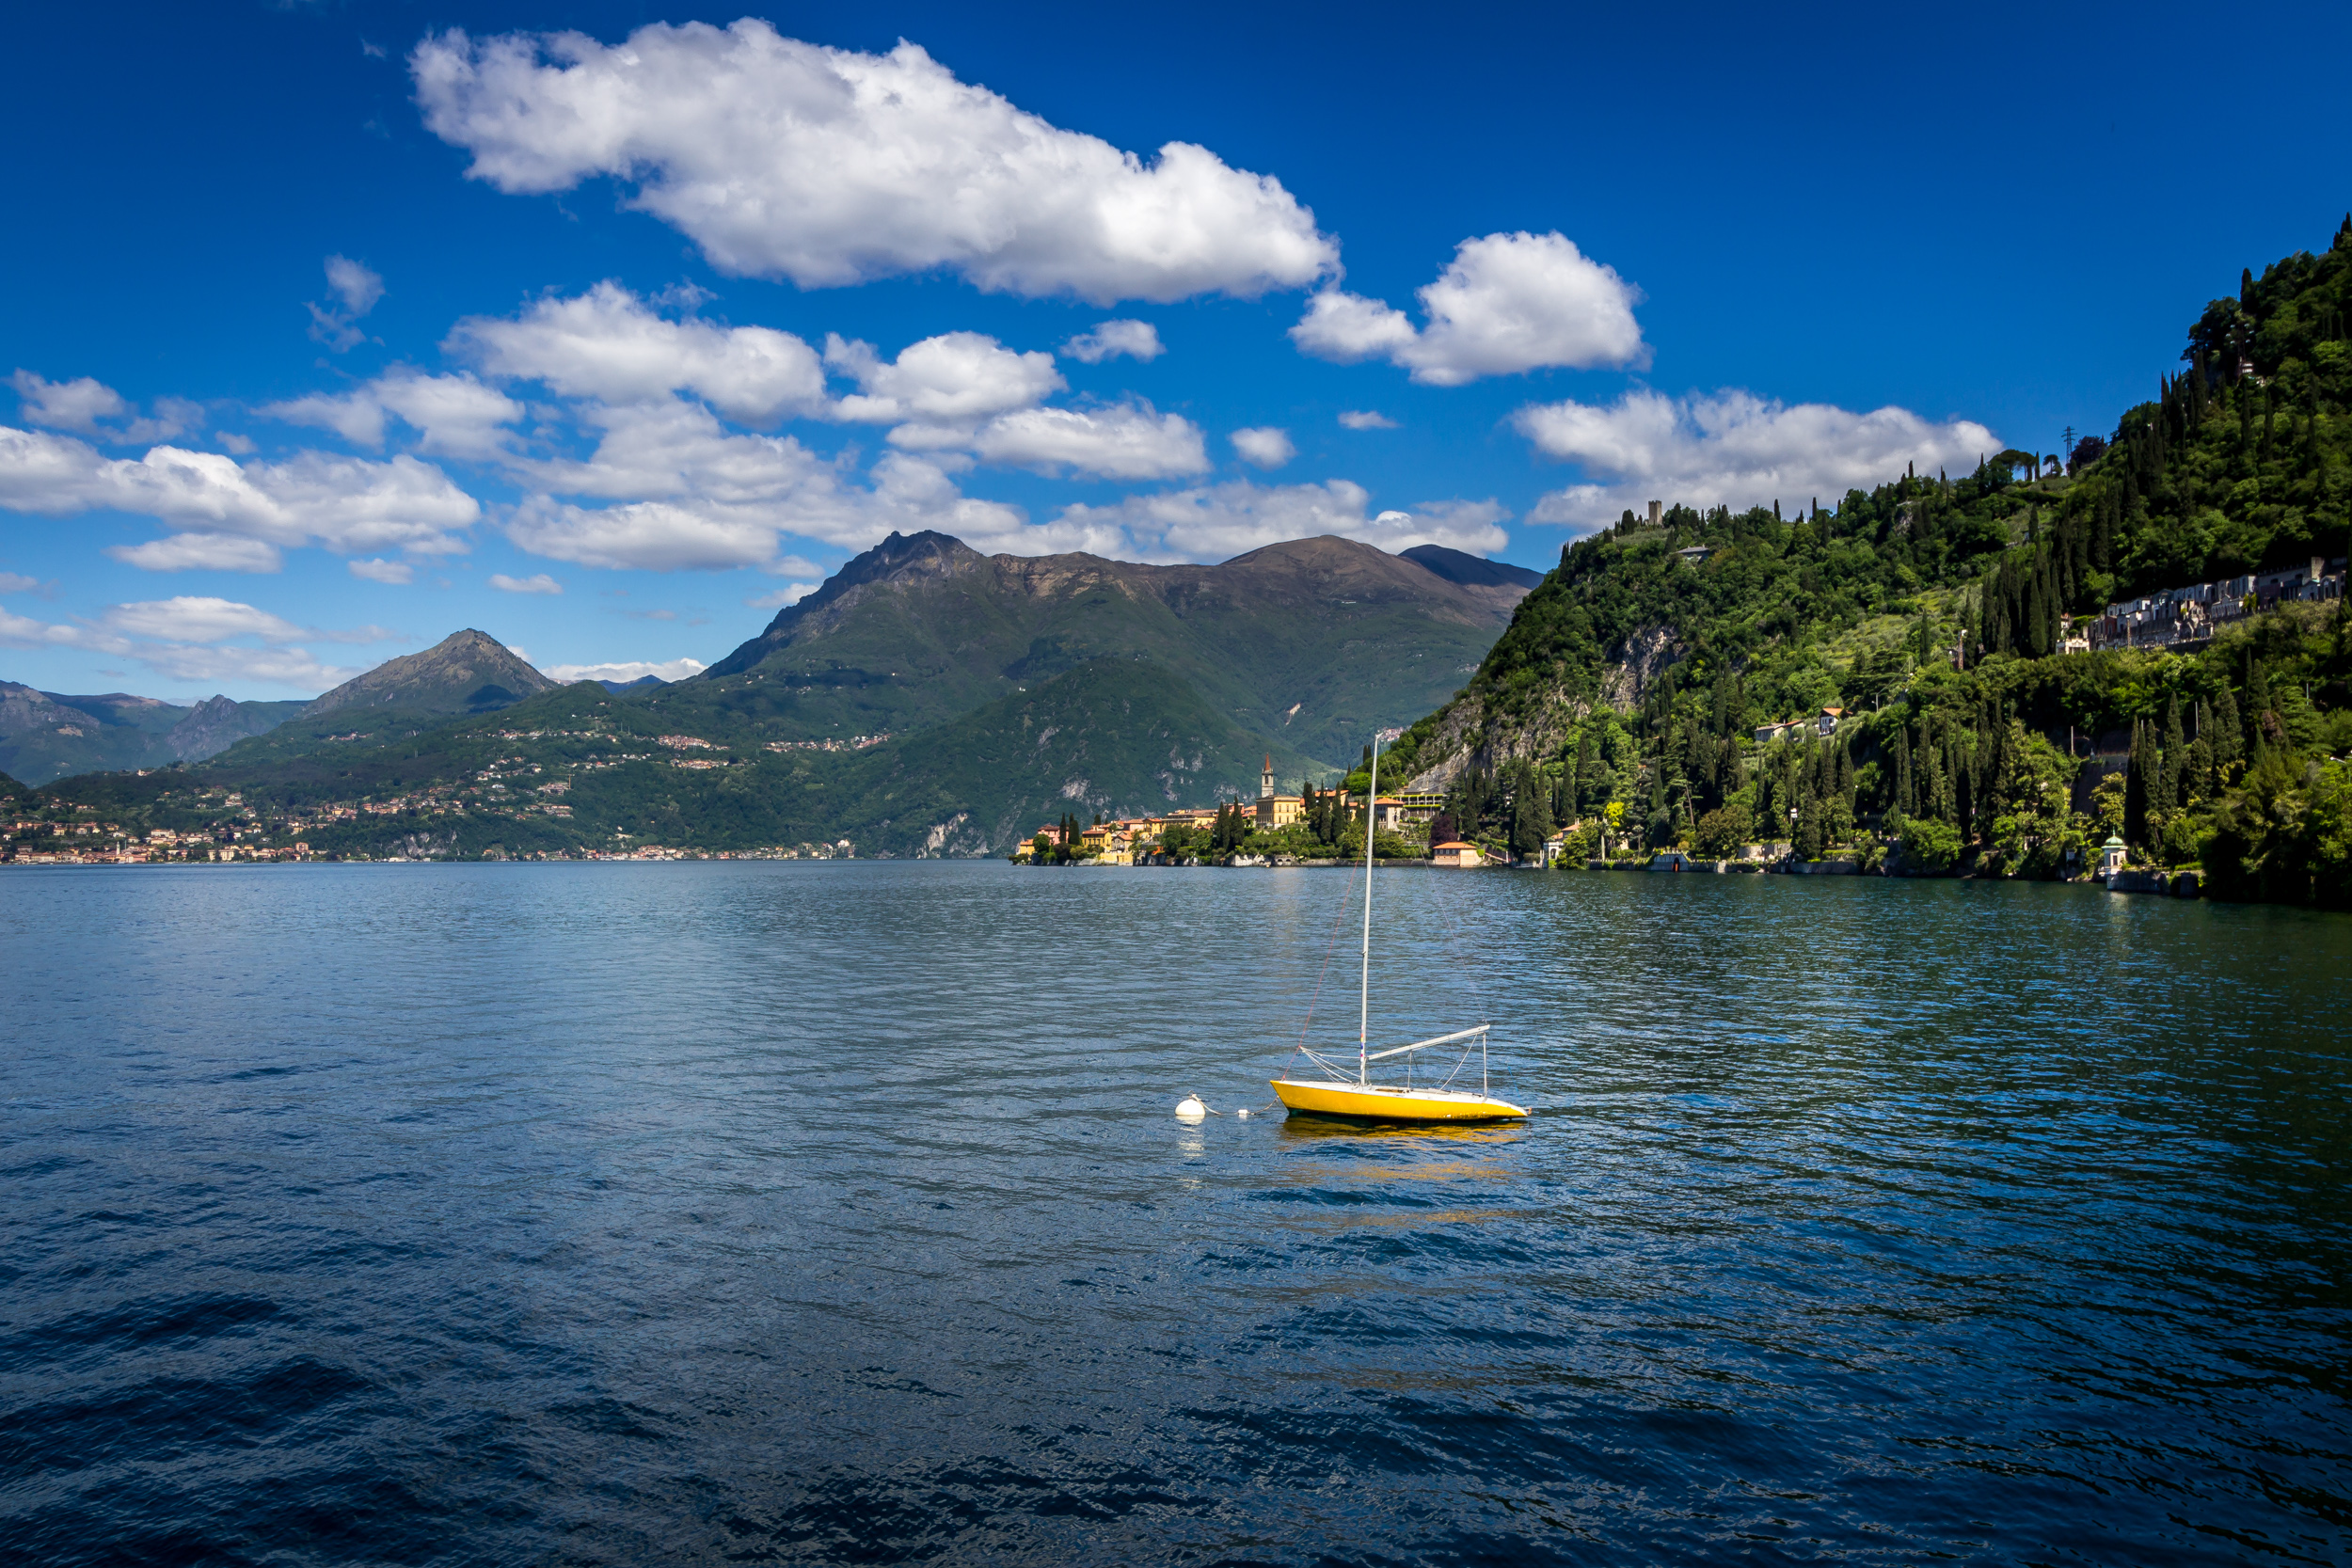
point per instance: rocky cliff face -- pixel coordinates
(214, 725)
(1469, 732)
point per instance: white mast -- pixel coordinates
(1364, 1014)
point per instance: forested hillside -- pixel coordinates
(47, 735)
(928, 700)
(1312, 642)
(1934, 610)
(580, 768)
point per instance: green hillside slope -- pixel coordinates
(1113, 736)
(1315, 642)
(48, 734)
(1630, 683)
(580, 768)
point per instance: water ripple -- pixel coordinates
(833, 1213)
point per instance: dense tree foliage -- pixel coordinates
(1913, 639)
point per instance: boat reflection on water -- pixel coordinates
(1305, 1126)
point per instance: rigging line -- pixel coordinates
(1330, 946)
(1466, 962)
(1466, 966)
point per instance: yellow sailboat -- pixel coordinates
(1337, 1095)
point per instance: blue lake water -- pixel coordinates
(834, 1213)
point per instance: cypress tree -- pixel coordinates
(2257, 702)
(2136, 769)
(1964, 789)
(1531, 817)
(2226, 733)
(2175, 758)
(1929, 791)
(1905, 802)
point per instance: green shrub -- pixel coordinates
(1930, 845)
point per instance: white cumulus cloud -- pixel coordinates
(691, 495)
(193, 638)
(1349, 327)
(191, 618)
(791, 593)
(1128, 440)
(626, 669)
(348, 505)
(86, 405)
(199, 552)
(538, 582)
(454, 416)
(1134, 339)
(609, 344)
(827, 166)
(1264, 445)
(1365, 419)
(1732, 449)
(356, 287)
(955, 377)
(1505, 303)
(694, 496)
(397, 573)
(653, 536)
(290, 668)
(1218, 521)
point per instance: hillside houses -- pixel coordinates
(2179, 616)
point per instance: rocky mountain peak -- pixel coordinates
(466, 671)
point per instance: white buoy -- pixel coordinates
(1190, 1109)
(1242, 1113)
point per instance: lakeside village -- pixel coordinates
(1804, 765)
(1478, 822)
(217, 827)
(1326, 828)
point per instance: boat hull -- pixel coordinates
(1378, 1102)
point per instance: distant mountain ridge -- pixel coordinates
(1461, 566)
(48, 734)
(927, 699)
(1312, 641)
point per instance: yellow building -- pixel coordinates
(1277, 811)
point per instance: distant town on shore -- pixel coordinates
(2128, 659)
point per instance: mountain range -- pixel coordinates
(927, 698)
(1314, 641)
(50, 734)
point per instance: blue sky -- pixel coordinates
(334, 328)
